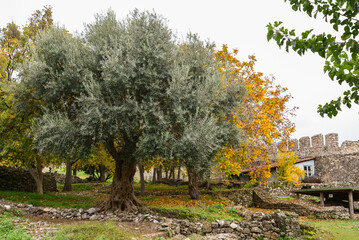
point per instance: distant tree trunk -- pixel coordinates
(208, 181)
(159, 173)
(142, 178)
(173, 174)
(38, 177)
(154, 175)
(102, 173)
(74, 172)
(166, 172)
(68, 177)
(179, 172)
(193, 181)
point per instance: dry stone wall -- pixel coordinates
(243, 197)
(263, 200)
(19, 179)
(335, 165)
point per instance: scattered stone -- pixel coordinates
(92, 210)
(233, 225)
(214, 225)
(207, 228)
(256, 230)
(220, 222)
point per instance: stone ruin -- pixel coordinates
(335, 165)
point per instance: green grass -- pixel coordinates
(335, 229)
(210, 213)
(79, 174)
(50, 199)
(161, 187)
(80, 187)
(8, 231)
(93, 230)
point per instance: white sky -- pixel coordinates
(239, 23)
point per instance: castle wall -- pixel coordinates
(335, 165)
(338, 169)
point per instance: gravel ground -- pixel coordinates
(39, 229)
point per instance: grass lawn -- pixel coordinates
(79, 174)
(149, 187)
(80, 187)
(93, 230)
(12, 227)
(208, 208)
(85, 195)
(335, 229)
(50, 199)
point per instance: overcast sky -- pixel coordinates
(240, 24)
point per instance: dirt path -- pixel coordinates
(44, 228)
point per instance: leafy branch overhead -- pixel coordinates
(341, 53)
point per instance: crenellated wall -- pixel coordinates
(335, 165)
(318, 145)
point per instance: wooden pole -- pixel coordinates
(322, 199)
(351, 204)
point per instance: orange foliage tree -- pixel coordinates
(265, 118)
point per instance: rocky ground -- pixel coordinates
(44, 221)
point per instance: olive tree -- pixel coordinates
(131, 86)
(202, 101)
(50, 82)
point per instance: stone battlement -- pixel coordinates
(319, 145)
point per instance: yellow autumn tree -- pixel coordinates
(287, 170)
(16, 145)
(264, 118)
(100, 165)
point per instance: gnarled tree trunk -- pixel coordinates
(193, 182)
(122, 197)
(38, 176)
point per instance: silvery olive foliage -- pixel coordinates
(131, 81)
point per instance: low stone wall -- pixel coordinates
(253, 225)
(19, 179)
(60, 178)
(300, 207)
(242, 197)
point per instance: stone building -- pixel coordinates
(322, 158)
